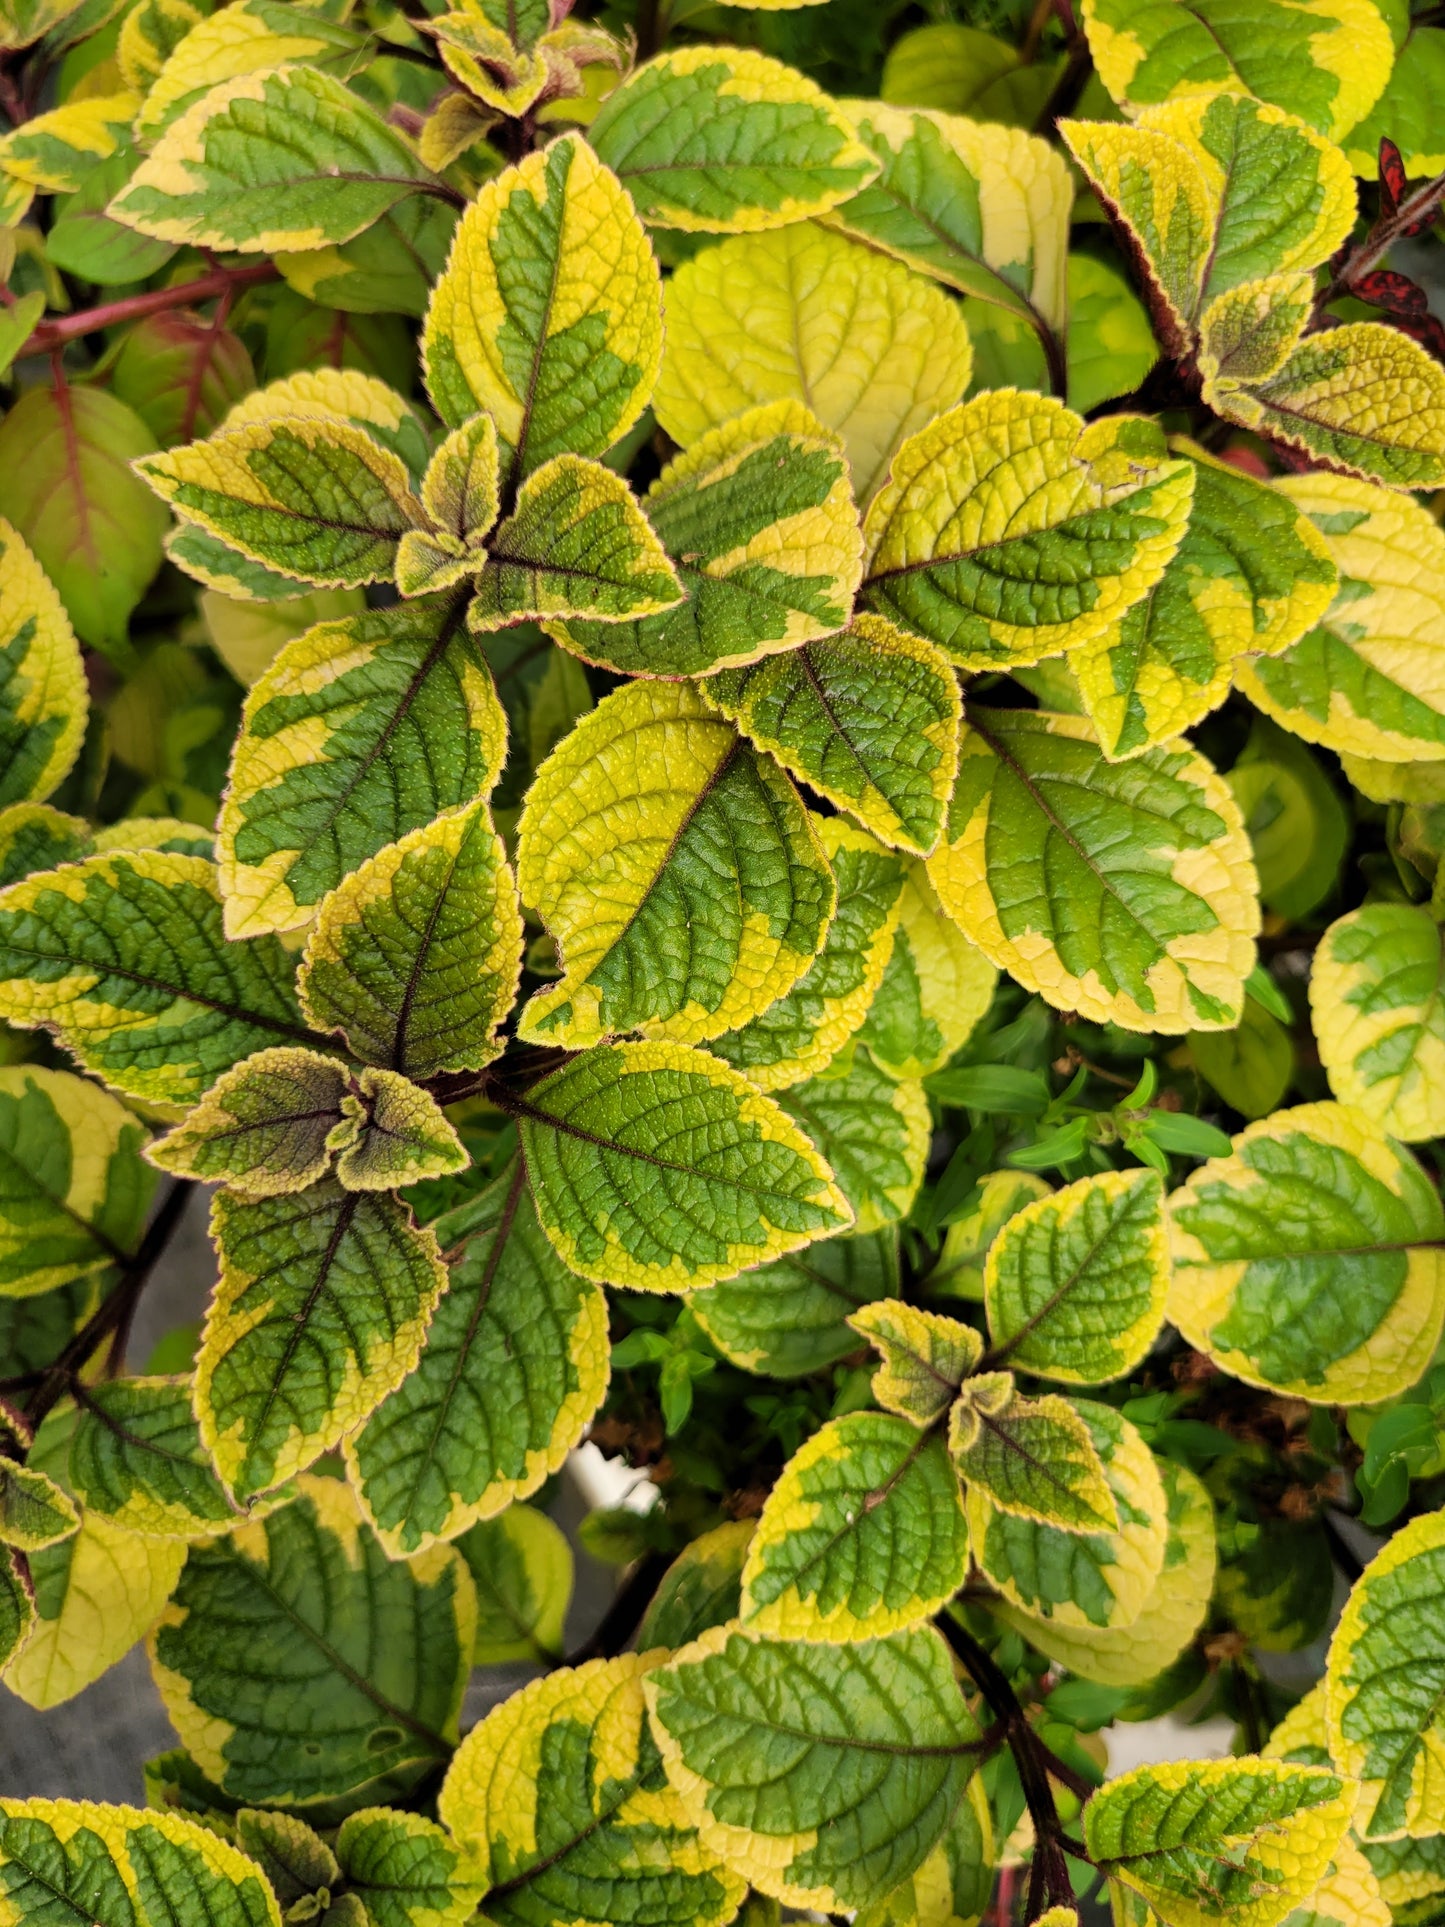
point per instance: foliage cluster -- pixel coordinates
(760, 772)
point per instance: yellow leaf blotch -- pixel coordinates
(45, 699)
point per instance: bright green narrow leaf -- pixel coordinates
(359, 732)
(405, 1871)
(826, 1774)
(1306, 1261)
(702, 1588)
(34, 1511)
(758, 522)
(871, 349)
(312, 498)
(1405, 112)
(521, 1564)
(17, 1607)
(268, 162)
(512, 1367)
(124, 958)
(1325, 60)
(262, 1128)
(1125, 891)
(33, 836)
(1361, 398)
(1251, 576)
(1366, 681)
(656, 1167)
(245, 38)
(461, 492)
(801, 1033)
(561, 1795)
(321, 1309)
(1076, 1283)
(982, 208)
(926, 1357)
(628, 831)
(1171, 1615)
(374, 1653)
(790, 1318)
(415, 956)
(935, 989)
(64, 1861)
(548, 316)
(96, 1594)
(863, 1534)
(724, 140)
(73, 1189)
(868, 717)
(1072, 1577)
(1219, 1840)
(576, 544)
(1251, 1066)
(1375, 998)
(67, 487)
(873, 1130)
(135, 1455)
(43, 699)
(1033, 1457)
(1008, 529)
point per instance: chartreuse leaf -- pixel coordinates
(560, 1794)
(246, 38)
(789, 1318)
(1375, 999)
(1076, 1283)
(1219, 1840)
(33, 836)
(1384, 1681)
(1032, 1457)
(512, 1367)
(360, 732)
(1307, 1260)
(869, 717)
(1325, 60)
(1171, 1615)
(1251, 575)
(954, 1885)
(1125, 891)
(549, 314)
(1362, 398)
(1404, 113)
(1348, 1895)
(1071, 1577)
(926, 1357)
(521, 1565)
(802, 1032)
(43, 698)
(17, 1606)
(702, 1588)
(862, 1534)
(658, 1168)
(982, 208)
(96, 1594)
(414, 957)
(873, 350)
(310, 497)
(135, 1456)
(825, 1773)
(374, 1654)
(271, 162)
(758, 522)
(1365, 681)
(34, 1511)
(68, 1861)
(56, 151)
(73, 1189)
(726, 141)
(1008, 529)
(321, 1309)
(935, 989)
(873, 1130)
(575, 544)
(124, 958)
(264, 1127)
(461, 493)
(405, 1871)
(628, 831)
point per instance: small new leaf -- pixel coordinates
(34, 1511)
(1035, 1458)
(926, 1357)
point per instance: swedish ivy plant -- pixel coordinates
(730, 723)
